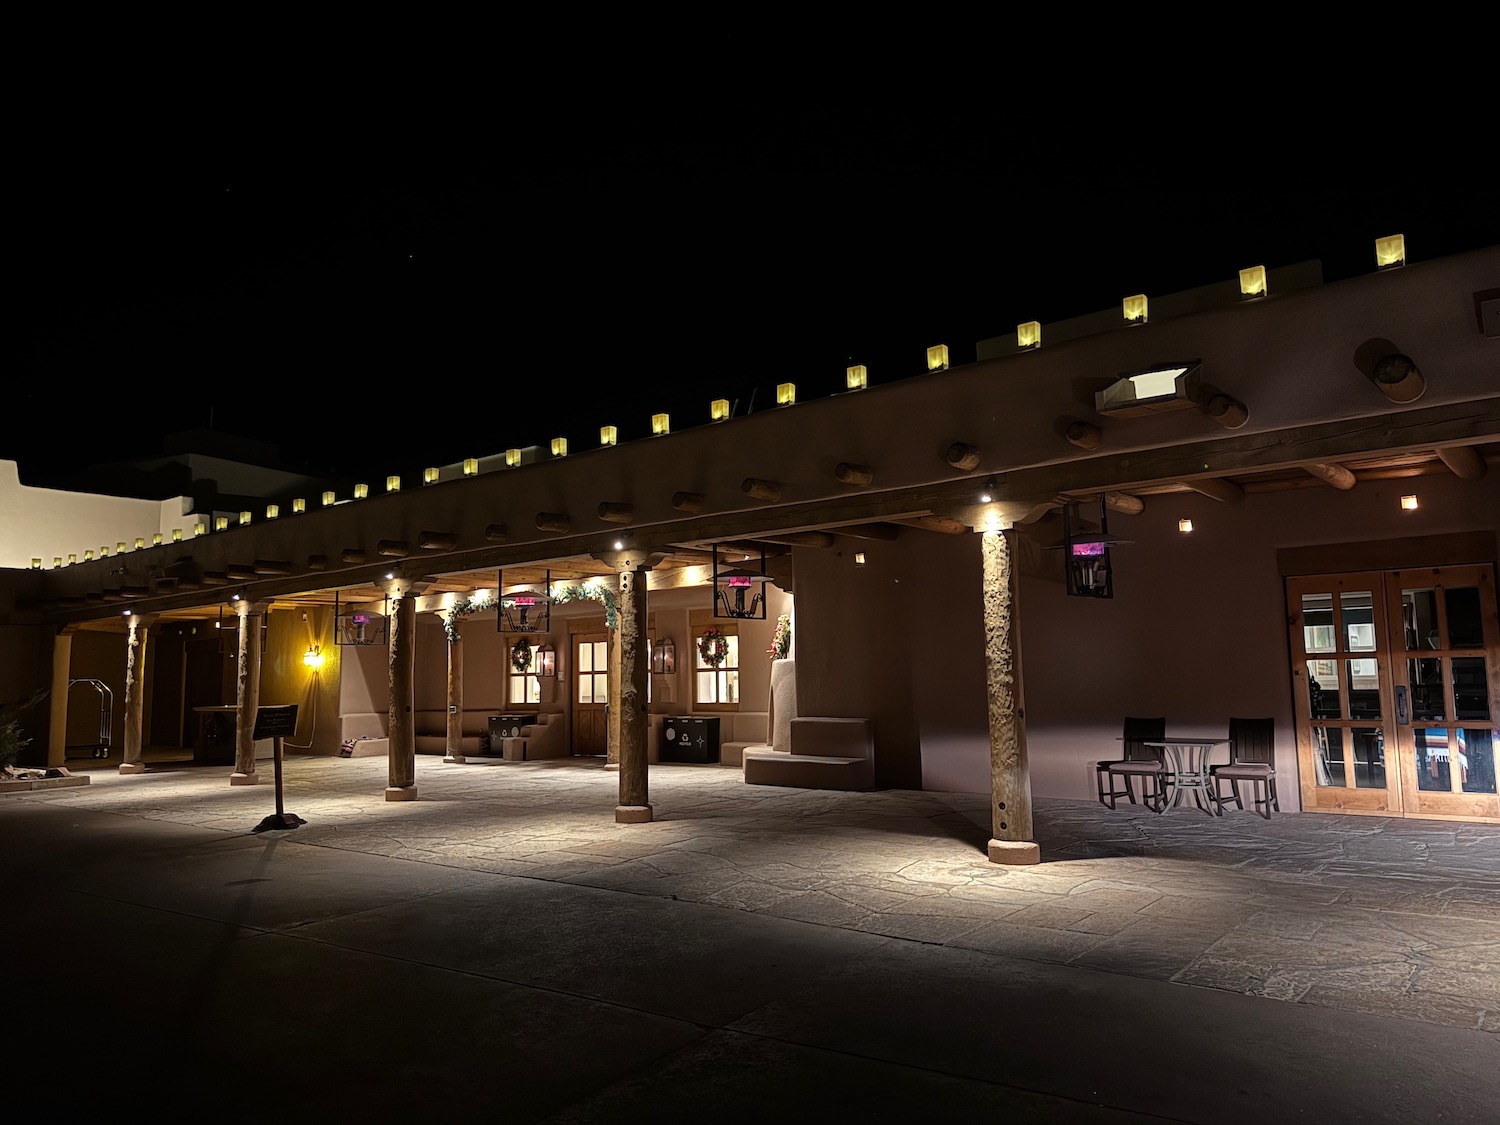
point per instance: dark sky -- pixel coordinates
(374, 295)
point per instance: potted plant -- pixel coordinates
(13, 739)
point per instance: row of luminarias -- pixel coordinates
(1390, 251)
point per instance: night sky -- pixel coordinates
(454, 290)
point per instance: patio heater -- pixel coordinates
(1086, 563)
(524, 611)
(734, 586)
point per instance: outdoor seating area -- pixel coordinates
(1177, 770)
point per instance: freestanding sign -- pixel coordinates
(276, 723)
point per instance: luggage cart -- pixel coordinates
(100, 748)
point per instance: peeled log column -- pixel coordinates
(135, 674)
(635, 805)
(247, 699)
(402, 755)
(455, 695)
(1010, 774)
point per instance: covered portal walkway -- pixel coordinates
(498, 949)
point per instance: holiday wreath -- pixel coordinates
(520, 655)
(713, 647)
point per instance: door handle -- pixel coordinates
(1401, 705)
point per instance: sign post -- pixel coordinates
(276, 723)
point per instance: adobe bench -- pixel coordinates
(826, 753)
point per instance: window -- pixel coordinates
(717, 684)
(524, 686)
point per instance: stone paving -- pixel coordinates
(1394, 917)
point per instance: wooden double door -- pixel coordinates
(1397, 691)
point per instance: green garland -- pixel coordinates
(594, 593)
(460, 610)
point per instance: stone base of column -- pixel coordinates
(132, 767)
(455, 759)
(632, 814)
(612, 766)
(244, 779)
(401, 793)
(1014, 852)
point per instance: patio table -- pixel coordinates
(1188, 759)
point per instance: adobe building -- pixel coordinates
(1271, 498)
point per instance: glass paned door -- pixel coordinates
(590, 693)
(1447, 689)
(1341, 681)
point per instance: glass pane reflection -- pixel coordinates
(1368, 745)
(1364, 689)
(1419, 607)
(1328, 756)
(1464, 627)
(1323, 689)
(1476, 761)
(1425, 674)
(1471, 698)
(1317, 623)
(1434, 767)
(1358, 611)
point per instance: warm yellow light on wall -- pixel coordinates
(1408, 503)
(559, 447)
(36, 564)
(177, 535)
(221, 523)
(429, 475)
(140, 542)
(1253, 282)
(156, 539)
(273, 511)
(856, 378)
(786, 394)
(859, 558)
(1029, 335)
(718, 410)
(512, 458)
(72, 559)
(661, 424)
(121, 547)
(393, 484)
(328, 498)
(313, 657)
(244, 519)
(200, 528)
(937, 357)
(104, 551)
(1135, 309)
(1184, 526)
(608, 435)
(361, 491)
(56, 560)
(88, 556)
(1390, 251)
(299, 505)
(471, 466)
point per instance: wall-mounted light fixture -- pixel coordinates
(36, 564)
(200, 528)
(221, 523)
(559, 447)
(361, 491)
(56, 561)
(857, 377)
(313, 657)
(786, 394)
(718, 410)
(244, 521)
(299, 505)
(664, 657)
(88, 556)
(72, 559)
(177, 535)
(393, 484)
(1409, 503)
(859, 558)
(1390, 251)
(430, 475)
(1170, 386)
(660, 424)
(609, 435)
(273, 511)
(104, 551)
(512, 458)
(140, 543)
(1253, 282)
(1029, 335)
(156, 539)
(937, 357)
(471, 466)
(987, 491)
(1185, 526)
(546, 661)
(1134, 309)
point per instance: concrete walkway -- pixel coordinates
(500, 949)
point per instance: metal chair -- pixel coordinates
(1140, 761)
(1252, 758)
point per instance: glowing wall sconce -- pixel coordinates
(121, 547)
(546, 661)
(244, 519)
(273, 511)
(1390, 251)
(859, 558)
(718, 410)
(856, 377)
(36, 564)
(1408, 503)
(609, 435)
(1185, 526)
(56, 561)
(786, 394)
(88, 556)
(1253, 282)
(140, 543)
(313, 657)
(361, 491)
(664, 657)
(393, 484)
(221, 523)
(1134, 309)
(328, 499)
(512, 458)
(200, 528)
(661, 424)
(156, 539)
(471, 466)
(1029, 335)
(299, 505)
(559, 447)
(177, 535)
(937, 357)
(104, 551)
(72, 559)
(430, 475)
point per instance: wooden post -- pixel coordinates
(1010, 774)
(635, 663)
(455, 694)
(57, 724)
(246, 694)
(402, 757)
(135, 694)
